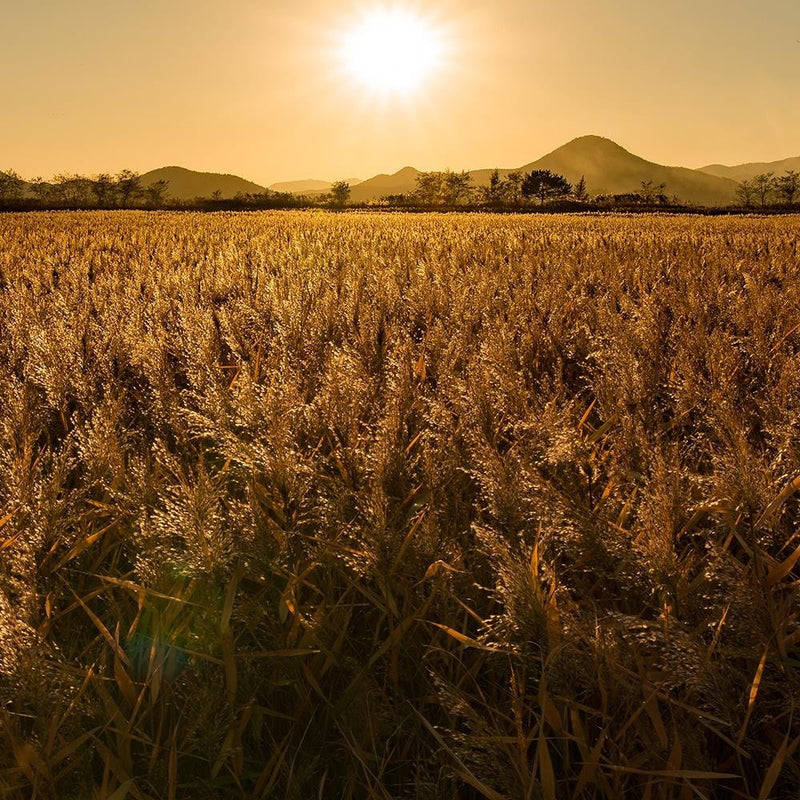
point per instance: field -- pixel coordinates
(362, 506)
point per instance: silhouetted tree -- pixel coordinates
(763, 186)
(545, 185)
(788, 186)
(340, 193)
(653, 193)
(456, 187)
(448, 187)
(103, 189)
(580, 192)
(156, 192)
(71, 190)
(513, 186)
(129, 187)
(11, 185)
(429, 188)
(493, 193)
(745, 192)
(41, 190)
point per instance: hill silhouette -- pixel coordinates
(400, 182)
(308, 186)
(301, 186)
(611, 169)
(186, 184)
(742, 172)
(607, 167)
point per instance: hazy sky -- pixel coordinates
(255, 87)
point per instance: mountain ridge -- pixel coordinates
(741, 172)
(608, 168)
(186, 184)
(308, 185)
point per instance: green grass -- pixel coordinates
(299, 505)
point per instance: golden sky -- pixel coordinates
(258, 88)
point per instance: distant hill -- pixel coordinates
(308, 186)
(296, 187)
(400, 182)
(743, 172)
(186, 184)
(610, 169)
(607, 167)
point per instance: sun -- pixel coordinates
(391, 51)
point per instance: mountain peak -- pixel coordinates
(593, 138)
(608, 168)
(185, 184)
(598, 144)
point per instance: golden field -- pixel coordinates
(371, 506)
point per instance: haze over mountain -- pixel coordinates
(610, 169)
(400, 182)
(309, 185)
(186, 184)
(607, 167)
(742, 172)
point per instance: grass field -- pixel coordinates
(304, 505)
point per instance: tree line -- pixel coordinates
(767, 189)
(126, 190)
(122, 190)
(435, 189)
(516, 189)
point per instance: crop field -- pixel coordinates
(373, 506)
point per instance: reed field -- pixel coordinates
(299, 505)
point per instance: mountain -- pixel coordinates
(400, 182)
(743, 172)
(610, 169)
(308, 186)
(186, 184)
(298, 187)
(607, 167)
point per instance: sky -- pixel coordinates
(258, 88)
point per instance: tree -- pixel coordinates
(103, 188)
(763, 186)
(513, 187)
(788, 186)
(129, 187)
(456, 186)
(156, 192)
(545, 185)
(41, 190)
(580, 192)
(71, 190)
(429, 188)
(11, 185)
(493, 193)
(340, 193)
(745, 192)
(653, 194)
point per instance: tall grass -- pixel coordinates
(315, 506)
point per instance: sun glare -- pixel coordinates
(392, 51)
